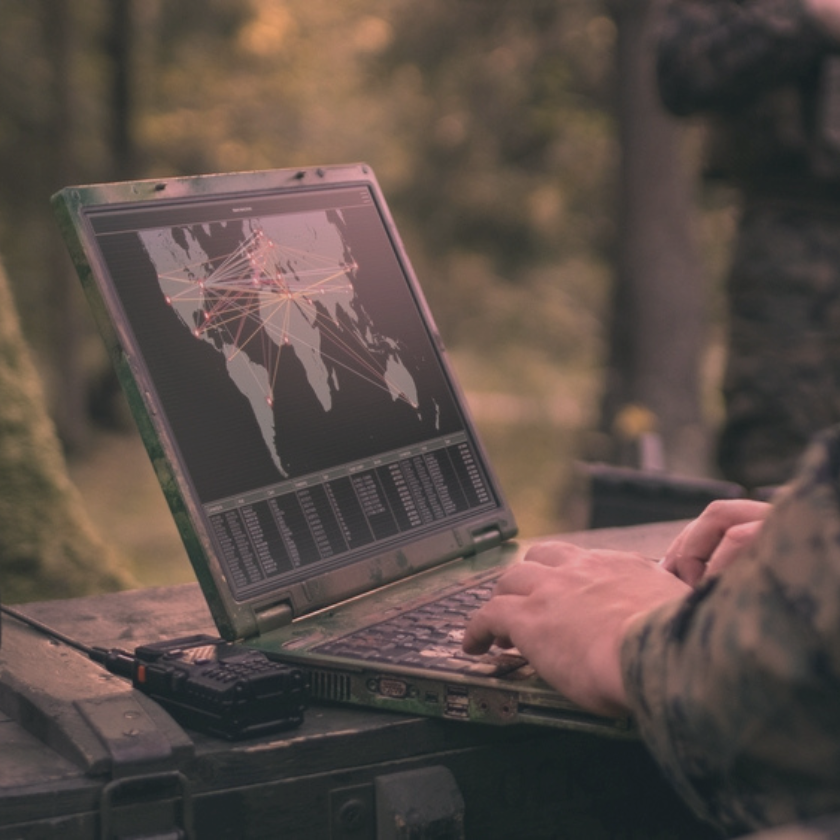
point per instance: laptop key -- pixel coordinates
(429, 635)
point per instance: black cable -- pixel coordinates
(117, 661)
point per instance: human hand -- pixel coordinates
(715, 539)
(567, 610)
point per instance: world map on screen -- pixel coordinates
(254, 288)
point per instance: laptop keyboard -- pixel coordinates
(428, 636)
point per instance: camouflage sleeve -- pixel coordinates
(736, 689)
(715, 55)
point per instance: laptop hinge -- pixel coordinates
(486, 538)
(273, 616)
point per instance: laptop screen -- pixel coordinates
(301, 387)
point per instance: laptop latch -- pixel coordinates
(486, 538)
(273, 616)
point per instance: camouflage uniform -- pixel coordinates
(768, 82)
(737, 688)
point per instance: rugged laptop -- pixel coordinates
(315, 450)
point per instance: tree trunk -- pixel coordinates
(656, 331)
(119, 49)
(69, 405)
(48, 547)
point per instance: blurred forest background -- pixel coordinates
(495, 128)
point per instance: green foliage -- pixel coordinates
(502, 109)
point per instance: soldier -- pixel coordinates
(765, 75)
(727, 652)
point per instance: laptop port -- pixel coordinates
(390, 687)
(457, 703)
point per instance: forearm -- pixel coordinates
(737, 688)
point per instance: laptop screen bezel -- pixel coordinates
(243, 617)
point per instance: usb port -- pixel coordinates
(457, 703)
